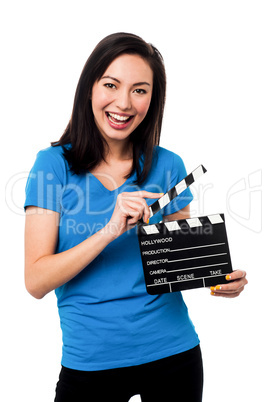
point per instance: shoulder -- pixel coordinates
(56, 152)
(170, 163)
(51, 156)
(51, 160)
(168, 157)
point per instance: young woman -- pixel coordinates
(84, 197)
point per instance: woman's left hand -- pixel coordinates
(234, 288)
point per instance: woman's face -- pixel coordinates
(121, 98)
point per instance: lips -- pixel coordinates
(118, 121)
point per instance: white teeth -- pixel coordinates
(118, 117)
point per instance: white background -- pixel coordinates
(215, 56)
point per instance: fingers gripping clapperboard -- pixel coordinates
(184, 254)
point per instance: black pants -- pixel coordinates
(176, 378)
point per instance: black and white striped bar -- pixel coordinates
(178, 225)
(176, 190)
(185, 254)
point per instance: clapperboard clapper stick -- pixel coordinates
(184, 254)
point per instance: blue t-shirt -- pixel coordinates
(108, 319)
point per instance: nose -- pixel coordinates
(123, 100)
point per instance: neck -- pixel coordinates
(118, 150)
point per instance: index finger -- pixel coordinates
(238, 274)
(144, 194)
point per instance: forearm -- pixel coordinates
(45, 270)
(52, 271)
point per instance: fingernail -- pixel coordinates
(212, 288)
(218, 287)
(147, 221)
(228, 277)
(161, 194)
(212, 293)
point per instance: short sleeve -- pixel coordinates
(45, 181)
(178, 173)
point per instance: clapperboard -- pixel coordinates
(184, 254)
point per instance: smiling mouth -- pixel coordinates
(118, 119)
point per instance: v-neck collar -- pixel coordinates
(116, 190)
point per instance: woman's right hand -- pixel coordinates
(129, 209)
(46, 270)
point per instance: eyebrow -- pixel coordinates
(116, 79)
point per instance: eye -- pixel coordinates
(109, 85)
(140, 91)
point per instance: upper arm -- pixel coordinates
(41, 234)
(182, 214)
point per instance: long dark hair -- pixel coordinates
(87, 144)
